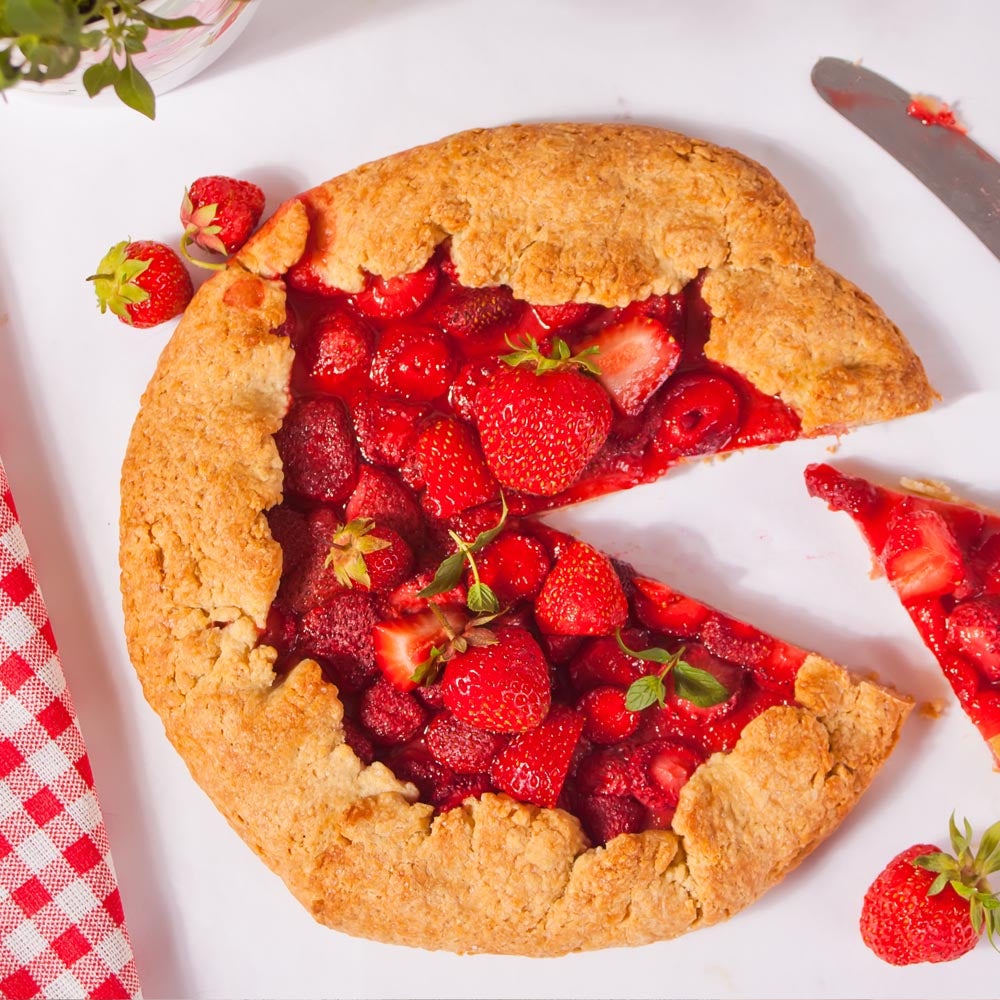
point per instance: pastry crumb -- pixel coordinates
(931, 709)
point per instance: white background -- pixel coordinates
(315, 87)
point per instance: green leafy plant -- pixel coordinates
(44, 40)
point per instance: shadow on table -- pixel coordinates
(88, 661)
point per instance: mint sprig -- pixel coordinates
(481, 598)
(690, 683)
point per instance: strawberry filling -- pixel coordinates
(475, 649)
(943, 560)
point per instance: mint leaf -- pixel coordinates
(447, 576)
(697, 686)
(36, 17)
(482, 600)
(645, 691)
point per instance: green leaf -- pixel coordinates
(135, 38)
(698, 686)
(426, 672)
(45, 18)
(645, 691)
(938, 862)
(134, 90)
(965, 891)
(99, 76)
(447, 576)
(960, 842)
(482, 600)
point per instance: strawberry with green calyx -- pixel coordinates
(454, 642)
(930, 906)
(690, 683)
(144, 283)
(481, 598)
(219, 214)
(370, 555)
(542, 418)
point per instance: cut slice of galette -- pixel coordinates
(405, 692)
(942, 558)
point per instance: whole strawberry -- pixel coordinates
(144, 283)
(582, 595)
(219, 214)
(502, 687)
(542, 419)
(930, 906)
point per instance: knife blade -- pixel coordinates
(960, 172)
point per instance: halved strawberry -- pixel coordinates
(636, 357)
(659, 607)
(582, 595)
(397, 297)
(701, 413)
(450, 463)
(533, 766)
(403, 644)
(502, 687)
(658, 771)
(921, 556)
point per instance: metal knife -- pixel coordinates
(960, 172)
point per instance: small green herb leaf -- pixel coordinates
(166, 23)
(645, 691)
(697, 686)
(36, 17)
(653, 655)
(483, 600)
(134, 90)
(99, 76)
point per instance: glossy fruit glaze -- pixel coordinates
(382, 434)
(943, 560)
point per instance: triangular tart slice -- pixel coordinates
(942, 558)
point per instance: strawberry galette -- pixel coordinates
(942, 557)
(442, 722)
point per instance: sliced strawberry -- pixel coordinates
(379, 495)
(582, 595)
(602, 661)
(735, 641)
(465, 749)
(403, 644)
(514, 566)
(318, 451)
(921, 556)
(387, 428)
(563, 316)
(413, 361)
(470, 312)
(701, 414)
(605, 817)
(974, 629)
(607, 719)
(848, 493)
(635, 357)
(533, 766)
(397, 297)
(660, 608)
(502, 687)
(334, 356)
(450, 463)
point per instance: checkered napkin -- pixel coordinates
(62, 930)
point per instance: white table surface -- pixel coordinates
(298, 100)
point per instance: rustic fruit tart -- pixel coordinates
(942, 558)
(407, 693)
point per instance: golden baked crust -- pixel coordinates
(200, 569)
(612, 214)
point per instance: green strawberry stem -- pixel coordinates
(528, 352)
(186, 240)
(690, 683)
(968, 874)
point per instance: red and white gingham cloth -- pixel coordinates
(62, 930)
